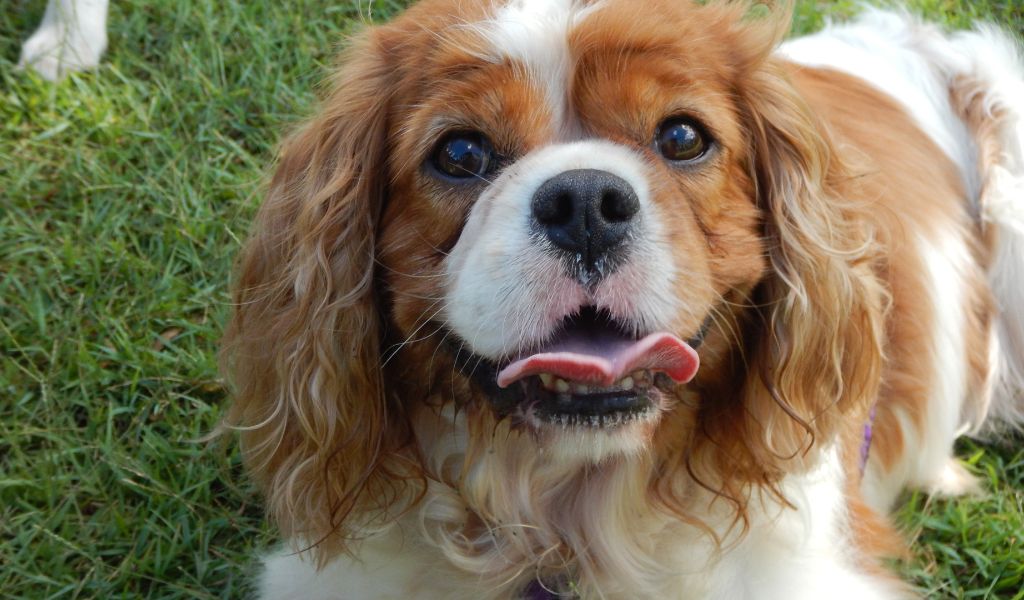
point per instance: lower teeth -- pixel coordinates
(636, 380)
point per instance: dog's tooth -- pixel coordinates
(579, 388)
(641, 378)
(547, 379)
(627, 383)
(562, 386)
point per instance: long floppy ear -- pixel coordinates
(820, 345)
(813, 350)
(302, 349)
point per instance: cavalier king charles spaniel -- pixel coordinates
(609, 299)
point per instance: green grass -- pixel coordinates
(123, 196)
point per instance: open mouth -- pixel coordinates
(592, 374)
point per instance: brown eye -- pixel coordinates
(463, 154)
(681, 139)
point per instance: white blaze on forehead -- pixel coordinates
(535, 35)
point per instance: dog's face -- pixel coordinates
(570, 206)
(612, 232)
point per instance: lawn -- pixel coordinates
(123, 196)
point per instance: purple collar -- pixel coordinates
(865, 445)
(538, 591)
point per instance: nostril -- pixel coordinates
(617, 207)
(587, 213)
(555, 210)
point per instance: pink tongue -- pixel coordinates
(602, 360)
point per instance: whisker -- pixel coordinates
(437, 348)
(394, 349)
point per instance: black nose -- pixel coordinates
(586, 212)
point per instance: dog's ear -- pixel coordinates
(302, 349)
(821, 333)
(813, 353)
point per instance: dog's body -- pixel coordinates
(867, 309)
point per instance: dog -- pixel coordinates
(601, 299)
(72, 37)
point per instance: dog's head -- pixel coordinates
(598, 232)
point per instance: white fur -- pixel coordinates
(390, 566)
(72, 37)
(534, 34)
(948, 262)
(799, 553)
(803, 553)
(507, 293)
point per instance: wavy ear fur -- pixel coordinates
(820, 354)
(303, 345)
(821, 348)
(815, 346)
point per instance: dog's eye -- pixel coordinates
(463, 154)
(681, 139)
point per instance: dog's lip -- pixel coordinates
(607, 410)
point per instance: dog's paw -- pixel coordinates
(955, 480)
(53, 51)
